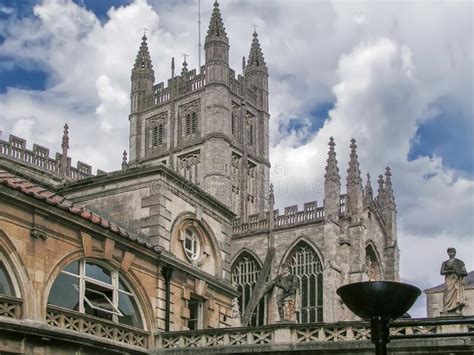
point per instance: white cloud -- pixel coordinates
(383, 65)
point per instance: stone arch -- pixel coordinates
(245, 271)
(373, 265)
(293, 245)
(305, 261)
(18, 274)
(246, 250)
(143, 301)
(211, 260)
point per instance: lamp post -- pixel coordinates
(379, 302)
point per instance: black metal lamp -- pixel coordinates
(379, 302)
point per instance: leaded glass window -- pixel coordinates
(305, 263)
(245, 272)
(90, 288)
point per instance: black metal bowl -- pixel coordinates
(379, 298)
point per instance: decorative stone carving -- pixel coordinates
(287, 286)
(454, 271)
(234, 319)
(189, 160)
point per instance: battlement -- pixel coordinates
(290, 217)
(39, 158)
(191, 81)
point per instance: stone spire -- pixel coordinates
(354, 182)
(271, 204)
(142, 78)
(256, 58)
(172, 67)
(332, 185)
(184, 70)
(389, 197)
(143, 60)
(65, 147)
(216, 29)
(124, 160)
(380, 191)
(368, 192)
(332, 171)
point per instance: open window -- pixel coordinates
(88, 287)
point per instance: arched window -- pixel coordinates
(90, 288)
(245, 272)
(305, 263)
(372, 265)
(6, 284)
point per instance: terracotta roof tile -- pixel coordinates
(40, 193)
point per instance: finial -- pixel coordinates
(216, 4)
(185, 65)
(124, 160)
(172, 67)
(368, 192)
(387, 173)
(243, 64)
(144, 32)
(255, 30)
(271, 196)
(332, 171)
(65, 143)
(380, 181)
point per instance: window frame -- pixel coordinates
(114, 286)
(199, 313)
(11, 277)
(195, 254)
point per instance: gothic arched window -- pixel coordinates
(305, 263)
(88, 287)
(245, 272)
(6, 284)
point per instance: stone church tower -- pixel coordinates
(209, 126)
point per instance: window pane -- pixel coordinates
(98, 273)
(73, 268)
(65, 292)
(123, 286)
(129, 309)
(6, 287)
(99, 297)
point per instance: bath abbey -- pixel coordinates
(182, 249)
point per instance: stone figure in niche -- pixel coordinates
(454, 272)
(287, 286)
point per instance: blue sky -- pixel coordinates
(349, 69)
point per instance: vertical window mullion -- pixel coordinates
(82, 285)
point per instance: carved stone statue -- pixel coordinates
(454, 271)
(287, 284)
(234, 320)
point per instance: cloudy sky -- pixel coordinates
(397, 76)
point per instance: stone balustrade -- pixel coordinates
(10, 307)
(293, 335)
(67, 319)
(38, 157)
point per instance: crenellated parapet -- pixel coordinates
(39, 158)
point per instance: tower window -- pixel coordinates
(188, 124)
(155, 136)
(191, 123)
(160, 134)
(191, 244)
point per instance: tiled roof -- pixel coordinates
(468, 283)
(39, 192)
